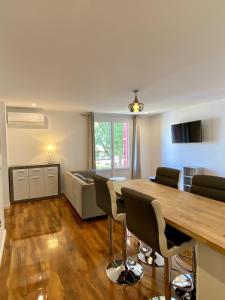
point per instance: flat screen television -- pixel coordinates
(190, 132)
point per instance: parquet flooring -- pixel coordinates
(50, 253)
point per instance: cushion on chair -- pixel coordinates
(209, 186)
(103, 198)
(175, 237)
(140, 217)
(121, 209)
(167, 176)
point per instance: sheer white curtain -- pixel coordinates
(91, 142)
(136, 153)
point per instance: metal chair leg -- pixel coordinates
(124, 272)
(167, 282)
(186, 282)
(110, 225)
(149, 257)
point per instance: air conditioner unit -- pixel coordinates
(22, 117)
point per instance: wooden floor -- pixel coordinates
(51, 254)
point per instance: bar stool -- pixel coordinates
(169, 177)
(208, 186)
(145, 219)
(102, 201)
(123, 271)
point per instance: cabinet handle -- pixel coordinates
(22, 170)
(36, 169)
(35, 177)
(20, 178)
(50, 168)
(51, 175)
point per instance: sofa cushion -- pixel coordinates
(79, 176)
(82, 177)
(89, 180)
(85, 173)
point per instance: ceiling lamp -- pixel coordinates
(136, 106)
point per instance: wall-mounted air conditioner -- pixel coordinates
(22, 117)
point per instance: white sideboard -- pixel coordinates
(34, 182)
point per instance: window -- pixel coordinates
(103, 145)
(120, 136)
(111, 145)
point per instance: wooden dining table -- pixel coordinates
(201, 218)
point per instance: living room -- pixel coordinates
(74, 78)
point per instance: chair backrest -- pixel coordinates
(167, 176)
(141, 218)
(209, 186)
(103, 198)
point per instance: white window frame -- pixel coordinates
(114, 118)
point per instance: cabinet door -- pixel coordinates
(20, 188)
(51, 184)
(36, 186)
(20, 172)
(50, 170)
(35, 171)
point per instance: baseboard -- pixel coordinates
(2, 246)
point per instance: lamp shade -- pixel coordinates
(51, 148)
(136, 106)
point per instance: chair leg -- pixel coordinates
(123, 271)
(150, 257)
(194, 266)
(167, 282)
(167, 278)
(110, 225)
(185, 283)
(124, 250)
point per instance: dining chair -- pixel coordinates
(122, 271)
(208, 186)
(168, 177)
(145, 220)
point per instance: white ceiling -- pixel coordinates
(88, 55)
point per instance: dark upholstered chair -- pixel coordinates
(209, 186)
(103, 201)
(167, 176)
(119, 271)
(145, 220)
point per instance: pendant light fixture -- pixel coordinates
(136, 106)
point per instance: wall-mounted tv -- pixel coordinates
(190, 132)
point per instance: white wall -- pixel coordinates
(4, 155)
(4, 190)
(210, 153)
(150, 131)
(67, 130)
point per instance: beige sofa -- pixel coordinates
(81, 194)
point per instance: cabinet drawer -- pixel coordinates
(51, 184)
(36, 185)
(21, 188)
(50, 170)
(20, 172)
(35, 171)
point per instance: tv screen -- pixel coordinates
(190, 132)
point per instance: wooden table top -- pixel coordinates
(201, 218)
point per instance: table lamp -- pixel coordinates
(51, 149)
